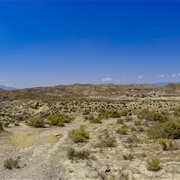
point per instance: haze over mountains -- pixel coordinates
(155, 84)
(7, 88)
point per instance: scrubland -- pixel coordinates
(134, 135)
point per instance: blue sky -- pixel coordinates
(45, 43)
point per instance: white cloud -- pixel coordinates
(173, 75)
(1, 80)
(108, 79)
(162, 75)
(140, 77)
(179, 74)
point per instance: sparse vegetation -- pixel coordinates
(137, 122)
(11, 163)
(122, 130)
(167, 130)
(36, 122)
(59, 119)
(79, 135)
(74, 154)
(153, 164)
(107, 140)
(167, 144)
(128, 156)
(128, 128)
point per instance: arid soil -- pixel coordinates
(44, 153)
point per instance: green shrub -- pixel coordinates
(122, 130)
(73, 154)
(11, 163)
(144, 114)
(167, 130)
(36, 122)
(159, 117)
(128, 157)
(79, 135)
(124, 113)
(177, 112)
(153, 164)
(167, 144)
(59, 119)
(152, 116)
(137, 122)
(114, 114)
(103, 114)
(96, 120)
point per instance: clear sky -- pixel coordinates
(47, 43)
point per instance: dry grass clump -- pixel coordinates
(128, 156)
(167, 144)
(107, 140)
(74, 154)
(122, 130)
(153, 116)
(120, 121)
(11, 163)
(153, 164)
(36, 122)
(177, 112)
(79, 135)
(137, 122)
(103, 114)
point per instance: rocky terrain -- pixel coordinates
(110, 132)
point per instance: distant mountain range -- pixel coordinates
(154, 84)
(7, 88)
(164, 83)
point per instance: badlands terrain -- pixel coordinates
(89, 132)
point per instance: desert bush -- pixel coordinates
(128, 156)
(153, 164)
(167, 130)
(96, 120)
(114, 114)
(103, 114)
(137, 122)
(59, 119)
(122, 130)
(11, 163)
(120, 121)
(177, 112)
(167, 144)
(107, 140)
(73, 154)
(128, 118)
(124, 113)
(36, 122)
(79, 135)
(159, 117)
(153, 116)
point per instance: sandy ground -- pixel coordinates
(43, 153)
